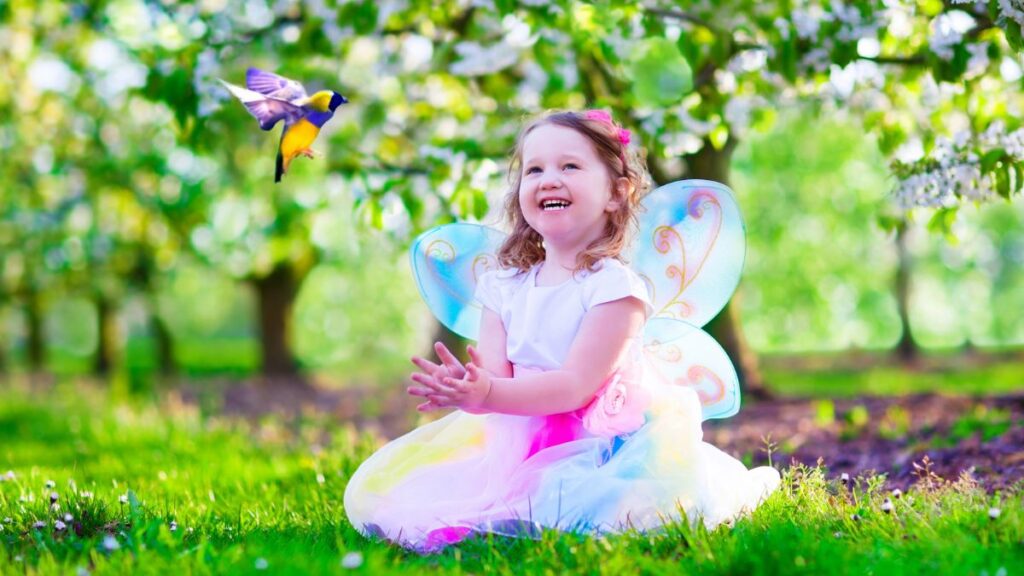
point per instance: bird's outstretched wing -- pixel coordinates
(268, 110)
(270, 84)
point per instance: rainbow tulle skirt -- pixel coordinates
(517, 475)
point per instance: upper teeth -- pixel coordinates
(554, 204)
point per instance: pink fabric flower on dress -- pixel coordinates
(618, 408)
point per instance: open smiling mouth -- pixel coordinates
(551, 205)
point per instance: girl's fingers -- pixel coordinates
(456, 386)
(474, 372)
(420, 391)
(474, 355)
(427, 407)
(424, 379)
(446, 356)
(425, 365)
(438, 401)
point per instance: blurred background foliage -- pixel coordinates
(141, 232)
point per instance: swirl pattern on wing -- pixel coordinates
(690, 249)
(447, 261)
(680, 354)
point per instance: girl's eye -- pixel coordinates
(532, 170)
(571, 165)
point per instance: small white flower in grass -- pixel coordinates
(7, 520)
(320, 479)
(173, 526)
(1, 527)
(844, 478)
(18, 558)
(352, 560)
(897, 493)
(39, 524)
(9, 475)
(86, 495)
(50, 484)
(82, 571)
(855, 517)
(110, 543)
(123, 499)
(838, 535)
(887, 506)
(68, 517)
(54, 497)
(54, 507)
(59, 525)
(994, 513)
(262, 564)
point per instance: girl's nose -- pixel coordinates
(550, 179)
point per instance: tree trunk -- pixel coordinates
(107, 339)
(275, 294)
(36, 344)
(713, 164)
(163, 341)
(906, 349)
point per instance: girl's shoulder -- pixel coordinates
(504, 275)
(497, 286)
(610, 270)
(612, 279)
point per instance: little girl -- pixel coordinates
(555, 426)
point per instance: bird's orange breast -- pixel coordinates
(298, 136)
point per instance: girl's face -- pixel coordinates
(566, 189)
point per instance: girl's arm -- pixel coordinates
(492, 345)
(603, 338)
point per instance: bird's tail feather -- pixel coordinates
(279, 171)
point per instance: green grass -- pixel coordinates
(874, 377)
(269, 495)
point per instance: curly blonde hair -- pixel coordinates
(524, 246)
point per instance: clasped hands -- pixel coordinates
(450, 384)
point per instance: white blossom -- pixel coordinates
(808, 22)
(947, 31)
(352, 560)
(1013, 10)
(979, 61)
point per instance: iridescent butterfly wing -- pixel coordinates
(446, 262)
(690, 252)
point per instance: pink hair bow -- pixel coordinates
(602, 116)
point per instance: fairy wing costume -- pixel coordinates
(689, 252)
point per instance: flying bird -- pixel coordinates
(271, 98)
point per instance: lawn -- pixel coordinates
(107, 484)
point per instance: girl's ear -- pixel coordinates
(620, 192)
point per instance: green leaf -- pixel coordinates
(1013, 35)
(991, 158)
(660, 74)
(942, 220)
(1003, 181)
(890, 222)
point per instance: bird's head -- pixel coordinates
(326, 100)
